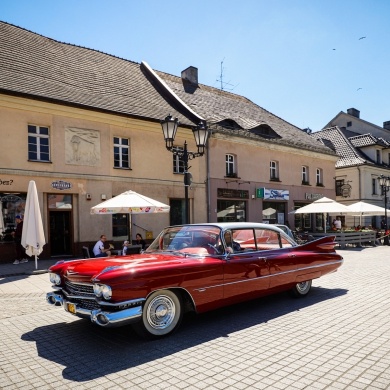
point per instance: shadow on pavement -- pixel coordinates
(89, 352)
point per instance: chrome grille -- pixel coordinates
(80, 289)
(89, 304)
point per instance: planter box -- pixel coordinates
(357, 238)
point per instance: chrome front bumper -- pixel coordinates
(98, 316)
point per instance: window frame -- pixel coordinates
(178, 161)
(305, 174)
(274, 170)
(39, 136)
(319, 177)
(121, 147)
(230, 165)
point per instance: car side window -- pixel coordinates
(267, 239)
(245, 238)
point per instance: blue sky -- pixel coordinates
(300, 59)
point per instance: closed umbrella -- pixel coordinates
(1, 221)
(33, 236)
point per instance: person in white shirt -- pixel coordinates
(337, 223)
(99, 250)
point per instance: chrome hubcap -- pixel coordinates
(161, 312)
(302, 287)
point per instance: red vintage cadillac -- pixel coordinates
(196, 267)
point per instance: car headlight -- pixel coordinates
(55, 278)
(102, 290)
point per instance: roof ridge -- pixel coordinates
(68, 44)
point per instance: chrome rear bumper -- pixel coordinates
(98, 316)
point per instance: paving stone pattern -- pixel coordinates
(336, 338)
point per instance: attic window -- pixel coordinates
(265, 131)
(349, 124)
(229, 124)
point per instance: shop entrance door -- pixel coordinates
(60, 233)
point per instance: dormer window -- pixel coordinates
(265, 131)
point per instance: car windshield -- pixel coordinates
(188, 239)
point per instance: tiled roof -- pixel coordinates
(362, 140)
(216, 105)
(42, 68)
(349, 155)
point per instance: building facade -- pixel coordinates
(86, 127)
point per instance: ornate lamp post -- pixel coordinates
(384, 182)
(169, 128)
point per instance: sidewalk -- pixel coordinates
(10, 269)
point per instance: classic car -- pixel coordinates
(198, 267)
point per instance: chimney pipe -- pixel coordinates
(354, 112)
(190, 74)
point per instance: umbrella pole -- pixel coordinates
(36, 262)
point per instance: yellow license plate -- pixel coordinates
(72, 308)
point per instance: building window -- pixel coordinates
(349, 124)
(378, 157)
(120, 225)
(374, 186)
(339, 185)
(230, 166)
(121, 153)
(305, 175)
(274, 170)
(319, 177)
(388, 159)
(38, 143)
(178, 162)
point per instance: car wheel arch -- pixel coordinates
(185, 295)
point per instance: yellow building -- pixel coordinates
(86, 127)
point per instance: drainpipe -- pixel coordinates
(360, 184)
(208, 194)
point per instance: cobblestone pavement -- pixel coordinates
(336, 338)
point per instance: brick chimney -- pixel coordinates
(354, 112)
(190, 74)
(386, 125)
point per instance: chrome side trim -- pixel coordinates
(203, 289)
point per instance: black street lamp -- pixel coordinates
(384, 182)
(169, 128)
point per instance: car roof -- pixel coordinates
(237, 225)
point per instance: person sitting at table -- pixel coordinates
(124, 248)
(140, 241)
(99, 250)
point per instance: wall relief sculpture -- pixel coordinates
(82, 146)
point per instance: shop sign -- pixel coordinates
(229, 193)
(267, 193)
(6, 182)
(61, 185)
(313, 196)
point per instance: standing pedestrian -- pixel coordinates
(19, 250)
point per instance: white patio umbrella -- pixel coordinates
(130, 202)
(33, 236)
(366, 209)
(323, 205)
(268, 212)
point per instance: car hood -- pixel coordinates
(108, 267)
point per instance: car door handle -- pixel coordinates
(262, 258)
(291, 255)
